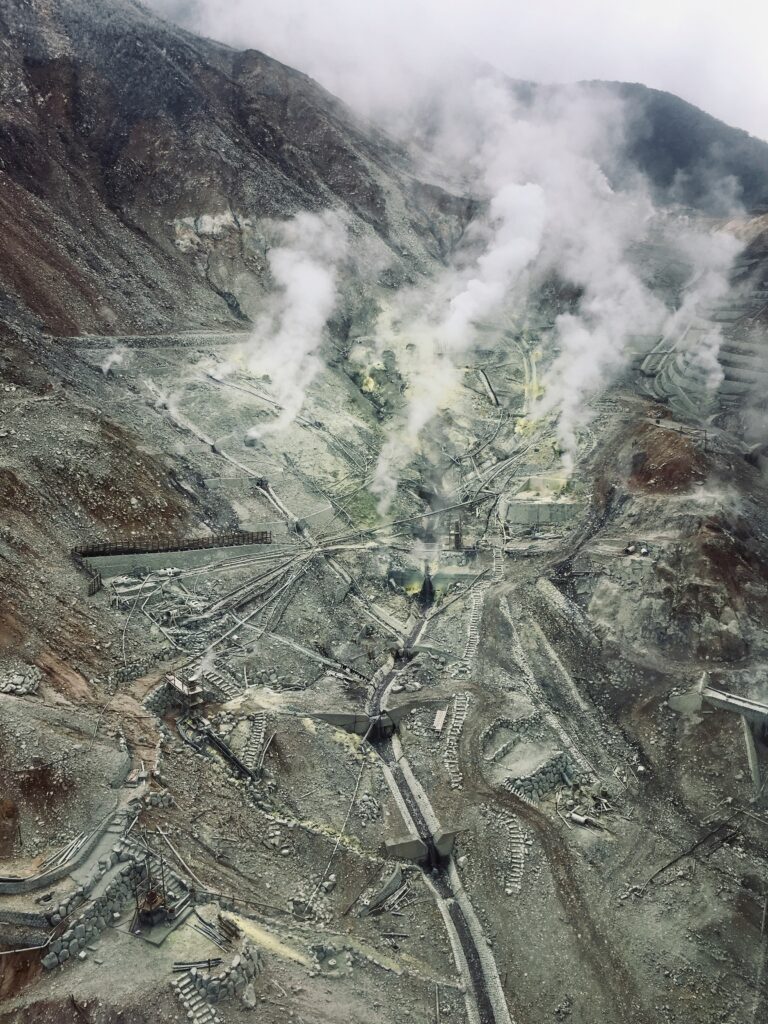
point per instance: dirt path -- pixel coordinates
(609, 972)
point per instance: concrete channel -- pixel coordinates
(486, 1003)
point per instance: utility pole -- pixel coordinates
(162, 879)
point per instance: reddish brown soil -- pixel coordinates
(16, 972)
(10, 628)
(41, 784)
(664, 460)
(36, 269)
(62, 678)
(9, 815)
(102, 485)
(733, 552)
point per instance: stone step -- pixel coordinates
(221, 683)
(748, 360)
(749, 375)
(734, 387)
(736, 346)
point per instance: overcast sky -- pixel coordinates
(711, 52)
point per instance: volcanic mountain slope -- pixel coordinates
(128, 146)
(115, 128)
(686, 152)
(140, 168)
(137, 164)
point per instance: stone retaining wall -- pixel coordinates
(519, 727)
(18, 886)
(127, 673)
(216, 986)
(19, 929)
(159, 799)
(96, 917)
(24, 917)
(559, 769)
(21, 682)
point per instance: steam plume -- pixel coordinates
(711, 256)
(286, 338)
(553, 212)
(116, 357)
(550, 210)
(457, 303)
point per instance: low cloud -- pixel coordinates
(378, 56)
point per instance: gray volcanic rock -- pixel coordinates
(161, 150)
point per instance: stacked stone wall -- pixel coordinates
(558, 770)
(97, 916)
(215, 986)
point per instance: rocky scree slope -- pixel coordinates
(115, 127)
(137, 166)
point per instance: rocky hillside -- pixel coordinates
(127, 146)
(690, 156)
(138, 164)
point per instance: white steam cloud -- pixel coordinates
(617, 307)
(559, 206)
(288, 334)
(378, 55)
(550, 209)
(712, 256)
(117, 357)
(517, 216)
(552, 212)
(456, 303)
